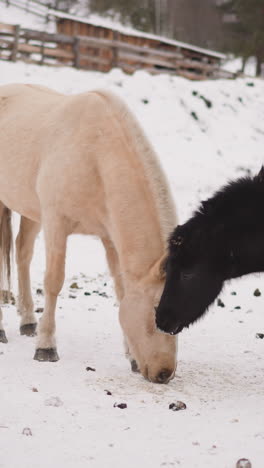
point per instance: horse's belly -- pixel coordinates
(19, 161)
(25, 204)
(17, 183)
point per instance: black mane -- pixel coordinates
(240, 198)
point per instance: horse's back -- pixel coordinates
(23, 105)
(19, 90)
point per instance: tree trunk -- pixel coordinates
(157, 16)
(258, 68)
(244, 61)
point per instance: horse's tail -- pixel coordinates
(6, 245)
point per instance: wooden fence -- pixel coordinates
(17, 43)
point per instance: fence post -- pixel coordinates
(76, 51)
(15, 45)
(114, 62)
(42, 50)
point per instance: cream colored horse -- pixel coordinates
(81, 164)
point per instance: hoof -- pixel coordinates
(29, 329)
(134, 366)
(46, 354)
(3, 338)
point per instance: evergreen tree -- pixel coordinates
(245, 29)
(139, 13)
(197, 22)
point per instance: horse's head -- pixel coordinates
(149, 350)
(223, 240)
(195, 272)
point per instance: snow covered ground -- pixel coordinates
(60, 414)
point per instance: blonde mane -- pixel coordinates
(155, 176)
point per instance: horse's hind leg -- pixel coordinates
(55, 241)
(3, 338)
(24, 252)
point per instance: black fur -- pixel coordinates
(224, 239)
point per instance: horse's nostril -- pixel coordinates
(163, 376)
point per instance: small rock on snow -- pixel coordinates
(243, 463)
(220, 303)
(53, 401)
(194, 115)
(27, 431)
(179, 405)
(260, 336)
(120, 405)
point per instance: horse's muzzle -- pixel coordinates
(167, 324)
(163, 377)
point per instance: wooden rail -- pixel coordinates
(31, 46)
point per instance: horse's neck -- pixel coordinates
(246, 269)
(250, 258)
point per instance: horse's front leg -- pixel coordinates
(128, 355)
(55, 241)
(114, 266)
(24, 251)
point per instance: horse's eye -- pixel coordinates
(178, 241)
(186, 276)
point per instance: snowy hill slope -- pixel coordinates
(205, 133)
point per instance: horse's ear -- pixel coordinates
(206, 207)
(260, 176)
(158, 271)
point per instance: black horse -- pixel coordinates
(224, 239)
